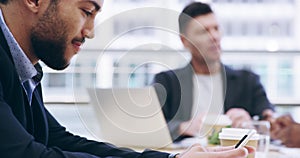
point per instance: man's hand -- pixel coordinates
(287, 130)
(280, 123)
(198, 151)
(238, 116)
(191, 127)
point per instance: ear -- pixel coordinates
(184, 41)
(32, 5)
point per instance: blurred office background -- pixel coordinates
(133, 43)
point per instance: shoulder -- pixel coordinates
(240, 73)
(187, 69)
(174, 77)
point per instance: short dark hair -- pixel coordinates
(191, 11)
(6, 1)
(3, 1)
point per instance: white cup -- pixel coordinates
(213, 123)
(231, 136)
(263, 129)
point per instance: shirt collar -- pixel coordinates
(24, 67)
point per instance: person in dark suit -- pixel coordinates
(52, 31)
(205, 85)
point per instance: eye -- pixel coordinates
(86, 12)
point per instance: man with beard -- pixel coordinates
(52, 31)
(205, 85)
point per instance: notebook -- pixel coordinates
(131, 117)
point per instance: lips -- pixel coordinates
(215, 48)
(76, 45)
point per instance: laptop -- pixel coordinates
(131, 117)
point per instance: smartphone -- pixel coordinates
(245, 139)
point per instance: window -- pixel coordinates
(56, 80)
(135, 27)
(254, 1)
(276, 28)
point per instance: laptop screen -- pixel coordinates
(130, 117)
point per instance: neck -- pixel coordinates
(206, 68)
(16, 19)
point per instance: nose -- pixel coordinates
(88, 33)
(88, 29)
(215, 35)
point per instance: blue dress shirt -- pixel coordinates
(24, 67)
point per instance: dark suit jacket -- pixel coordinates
(175, 91)
(32, 132)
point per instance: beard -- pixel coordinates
(49, 39)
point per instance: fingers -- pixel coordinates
(284, 121)
(274, 125)
(237, 122)
(218, 149)
(199, 151)
(250, 149)
(279, 124)
(239, 152)
(197, 148)
(289, 135)
(227, 148)
(234, 153)
(200, 148)
(238, 116)
(283, 135)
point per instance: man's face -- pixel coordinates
(203, 38)
(62, 29)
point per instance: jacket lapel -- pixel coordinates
(230, 89)
(39, 116)
(4, 44)
(33, 118)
